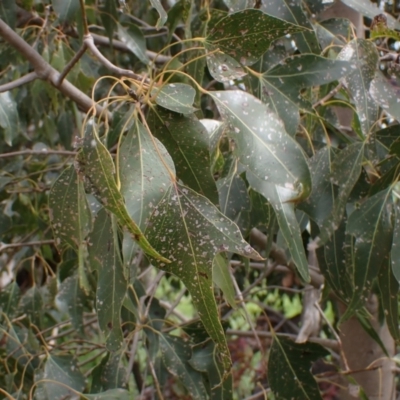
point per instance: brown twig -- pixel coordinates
(31, 76)
(39, 153)
(332, 93)
(5, 246)
(71, 63)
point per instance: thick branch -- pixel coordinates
(45, 71)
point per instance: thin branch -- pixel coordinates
(46, 72)
(71, 63)
(5, 246)
(84, 18)
(39, 153)
(328, 343)
(89, 42)
(31, 76)
(332, 93)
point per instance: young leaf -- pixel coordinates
(188, 143)
(111, 282)
(247, 34)
(364, 57)
(263, 146)
(176, 354)
(177, 97)
(289, 367)
(373, 231)
(189, 229)
(222, 278)
(161, 12)
(97, 167)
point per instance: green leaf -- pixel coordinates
(32, 304)
(289, 367)
(188, 143)
(364, 58)
(262, 144)
(203, 360)
(224, 68)
(109, 18)
(113, 371)
(65, 9)
(112, 394)
(281, 85)
(386, 95)
(97, 167)
(389, 289)
(9, 299)
(133, 37)
(395, 251)
(145, 172)
(161, 12)
(222, 278)
(286, 217)
(61, 374)
(111, 282)
(176, 354)
(291, 11)
(9, 119)
(71, 216)
(233, 196)
(345, 170)
(373, 231)
(247, 34)
(177, 97)
(189, 229)
(71, 293)
(8, 12)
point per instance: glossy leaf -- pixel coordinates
(291, 11)
(145, 170)
(111, 282)
(189, 229)
(395, 251)
(246, 35)
(161, 12)
(285, 214)
(9, 120)
(133, 37)
(61, 374)
(281, 85)
(177, 97)
(386, 95)
(97, 167)
(364, 58)
(66, 9)
(389, 289)
(289, 367)
(373, 231)
(176, 354)
(263, 146)
(224, 68)
(222, 278)
(188, 143)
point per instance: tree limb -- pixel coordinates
(31, 76)
(46, 72)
